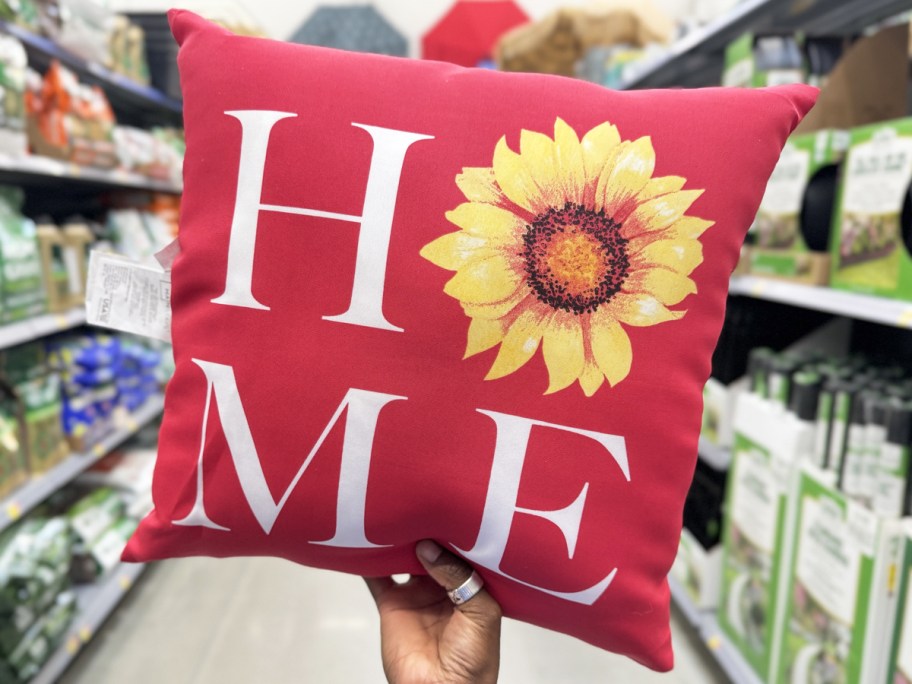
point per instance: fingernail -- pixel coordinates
(428, 551)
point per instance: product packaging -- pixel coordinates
(763, 60)
(22, 293)
(53, 269)
(837, 605)
(13, 459)
(769, 443)
(875, 212)
(37, 390)
(13, 62)
(792, 227)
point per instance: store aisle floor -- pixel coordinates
(263, 620)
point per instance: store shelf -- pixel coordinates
(36, 328)
(697, 58)
(142, 105)
(728, 657)
(713, 455)
(39, 171)
(891, 312)
(681, 599)
(41, 486)
(704, 621)
(96, 602)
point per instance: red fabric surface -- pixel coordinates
(467, 33)
(594, 394)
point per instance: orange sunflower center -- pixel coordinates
(575, 258)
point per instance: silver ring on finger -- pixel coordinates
(467, 590)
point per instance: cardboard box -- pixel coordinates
(791, 229)
(698, 570)
(836, 606)
(867, 246)
(763, 60)
(766, 447)
(719, 410)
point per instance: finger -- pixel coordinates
(378, 586)
(450, 571)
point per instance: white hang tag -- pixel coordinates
(124, 295)
(166, 255)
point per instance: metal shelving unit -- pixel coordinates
(697, 58)
(718, 646)
(96, 602)
(137, 104)
(37, 489)
(40, 326)
(891, 312)
(37, 171)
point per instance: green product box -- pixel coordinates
(22, 281)
(101, 556)
(900, 663)
(39, 642)
(13, 460)
(94, 514)
(43, 408)
(796, 209)
(837, 603)
(867, 250)
(13, 63)
(752, 532)
(34, 569)
(759, 60)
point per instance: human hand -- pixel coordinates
(424, 637)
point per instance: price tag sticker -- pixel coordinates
(74, 170)
(132, 425)
(72, 645)
(98, 450)
(61, 321)
(714, 643)
(13, 510)
(905, 319)
(125, 582)
(85, 633)
(758, 288)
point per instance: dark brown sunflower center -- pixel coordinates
(575, 258)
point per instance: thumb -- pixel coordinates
(450, 571)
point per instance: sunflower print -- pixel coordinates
(563, 246)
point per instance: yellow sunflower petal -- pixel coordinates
(563, 351)
(568, 160)
(682, 256)
(537, 152)
(665, 285)
(519, 344)
(478, 185)
(624, 176)
(483, 334)
(610, 347)
(685, 228)
(483, 282)
(661, 186)
(496, 309)
(639, 309)
(688, 227)
(487, 221)
(591, 378)
(454, 250)
(658, 213)
(515, 179)
(597, 146)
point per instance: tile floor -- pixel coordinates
(259, 620)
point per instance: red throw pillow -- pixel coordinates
(419, 301)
